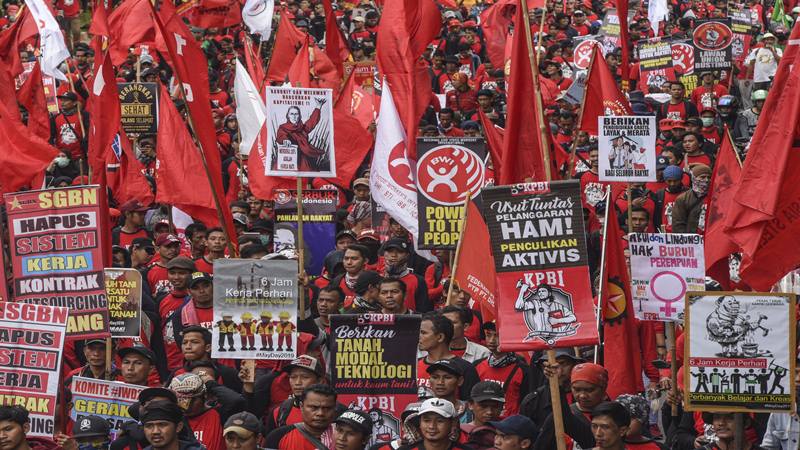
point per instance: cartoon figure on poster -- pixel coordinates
(226, 330)
(265, 330)
(385, 428)
(300, 132)
(733, 329)
(547, 312)
(626, 153)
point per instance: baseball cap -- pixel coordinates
(358, 19)
(94, 341)
(346, 233)
(139, 349)
(368, 233)
(162, 410)
(448, 365)
(767, 35)
(357, 419)
(565, 352)
(244, 424)
(578, 12)
(678, 124)
(760, 94)
(198, 277)
(153, 392)
(90, 426)
(487, 390)
(240, 218)
(439, 406)
(361, 182)
(132, 205)
(662, 162)
(590, 373)
(142, 242)
(68, 94)
(516, 425)
(397, 243)
(146, 59)
(665, 124)
(306, 362)
(167, 239)
(181, 262)
(187, 385)
(673, 173)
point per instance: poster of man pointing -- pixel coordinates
(300, 132)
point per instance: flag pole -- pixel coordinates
(454, 264)
(574, 149)
(599, 310)
(555, 392)
(301, 293)
(673, 366)
(537, 98)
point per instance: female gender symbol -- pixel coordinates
(668, 309)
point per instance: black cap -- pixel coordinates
(198, 277)
(262, 224)
(143, 242)
(243, 424)
(487, 390)
(69, 95)
(357, 419)
(139, 349)
(346, 233)
(694, 121)
(565, 352)
(397, 243)
(90, 426)
(150, 393)
(516, 425)
(161, 410)
(662, 162)
(448, 365)
(89, 342)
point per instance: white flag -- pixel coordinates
(54, 50)
(257, 15)
(657, 11)
(250, 109)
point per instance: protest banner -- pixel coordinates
(124, 295)
(712, 41)
(663, 268)
(626, 148)
(50, 90)
(655, 64)
(255, 309)
(300, 132)
(740, 352)
(683, 63)
(107, 399)
(742, 28)
(582, 53)
(576, 91)
(363, 73)
(56, 240)
(380, 220)
(374, 367)
(447, 170)
(319, 221)
(610, 30)
(31, 342)
(139, 102)
(543, 295)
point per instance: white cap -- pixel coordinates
(439, 406)
(796, 9)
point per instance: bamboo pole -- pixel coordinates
(454, 263)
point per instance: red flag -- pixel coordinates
(622, 354)
(494, 139)
(255, 68)
(31, 96)
(495, 21)
(718, 246)
(132, 184)
(299, 74)
(23, 156)
(356, 102)
(215, 13)
(474, 268)
(406, 28)
(763, 217)
(187, 57)
(624, 39)
(335, 43)
(262, 185)
(130, 23)
(288, 40)
(12, 38)
(523, 148)
(8, 96)
(603, 97)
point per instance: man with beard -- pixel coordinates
(396, 254)
(294, 132)
(162, 420)
(689, 210)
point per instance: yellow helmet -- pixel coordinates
(266, 314)
(247, 316)
(284, 315)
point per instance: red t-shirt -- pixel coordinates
(157, 277)
(290, 438)
(207, 429)
(206, 317)
(203, 265)
(125, 239)
(702, 158)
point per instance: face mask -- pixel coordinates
(62, 161)
(707, 121)
(700, 187)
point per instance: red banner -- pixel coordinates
(544, 299)
(56, 242)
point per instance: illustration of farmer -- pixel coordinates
(226, 329)
(247, 332)
(265, 329)
(285, 330)
(546, 318)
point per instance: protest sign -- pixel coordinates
(655, 64)
(49, 88)
(582, 53)
(124, 294)
(139, 102)
(107, 399)
(319, 222)
(742, 28)
(610, 30)
(380, 220)
(712, 41)
(56, 239)
(363, 73)
(447, 169)
(31, 342)
(374, 367)
(683, 63)
(663, 268)
(300, 132)
(627, 148)
(740, 352)
(576, 91)
(543, 298)
(255, 309)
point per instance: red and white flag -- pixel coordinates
(250, 108)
